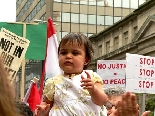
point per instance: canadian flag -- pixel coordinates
(51, 65)
(32, 97)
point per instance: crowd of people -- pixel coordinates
(76, 92)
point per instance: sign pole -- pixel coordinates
(23, 62)
(143, 103)
(23, 66)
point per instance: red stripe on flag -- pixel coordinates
(50, 66)
(50, 28)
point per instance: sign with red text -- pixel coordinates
(112, 72)
(140, 73)
(12, 51)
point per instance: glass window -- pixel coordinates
(108, 20)
(91, 19)
(64, 33)
(83, 2)
(125, 3)
(43, 17)
(58, 0)
(125, 37)
(134, 4)
(101, 3)
(75, 2)
(141, 2)
(135, 29)
(18, 3)
(83, 18)
(85, 34)
(100, 50)
(117, 3)
(75, 18)
(109, 2)
(65, 17)
(126, 34)
(66, 1)
(100, 20)
(107, 46)
(117, 19)
(38, 7)
(92, 2)
(90, 34)
(116, 42)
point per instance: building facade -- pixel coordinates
(86, 16)
(134, 34)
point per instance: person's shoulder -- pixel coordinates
(54, 79)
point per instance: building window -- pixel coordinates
(74, 18)
(100, 20)
(65, 17)
(90, 34)
(117, 19)
(108, 20)
(91, 19)
(107, 46)
(125, 37)
(83, 18)
(116, 42)
(100, 51)
(135, 29)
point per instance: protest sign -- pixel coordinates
(12, 51)
(140, 73)
(112, 72)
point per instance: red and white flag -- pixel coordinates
(32, 97)
(51, 65)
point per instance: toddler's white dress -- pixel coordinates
(70, 99)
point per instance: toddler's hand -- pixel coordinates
(87, 83)
(42, 110)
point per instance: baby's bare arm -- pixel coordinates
(97, 95)
(95, 90)
(47, 101)
(44, 108)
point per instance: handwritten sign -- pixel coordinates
(140, 73)
(112, 72)
(12, 51)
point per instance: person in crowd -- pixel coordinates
(122, 103)
(7, 106)
(114, 95)
(128, 106)
(76, 92)
(23, 109)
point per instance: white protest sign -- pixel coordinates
(140, 73)
(12, 51)
(112, 72)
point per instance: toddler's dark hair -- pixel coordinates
(82, 40)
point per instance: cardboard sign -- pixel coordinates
(140, 73)
(112, 72)
(12, 51)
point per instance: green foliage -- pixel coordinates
(150, 104)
